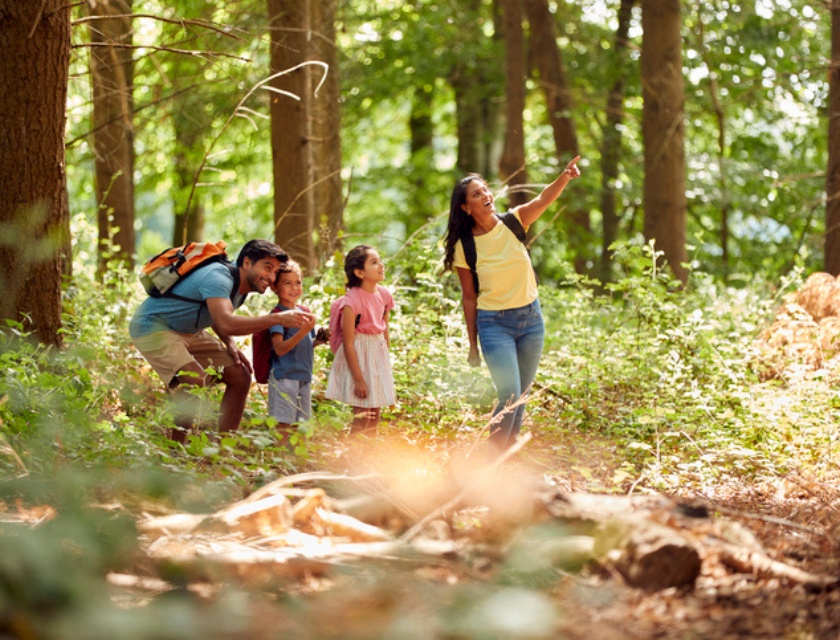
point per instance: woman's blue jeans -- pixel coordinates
(511, 342)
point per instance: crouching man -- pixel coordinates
(171, 332)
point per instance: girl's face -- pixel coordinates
(479, 199)
(289, 287)
(374, 270)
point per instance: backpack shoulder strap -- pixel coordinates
(234, 271)
(470, 255)
(512, 223)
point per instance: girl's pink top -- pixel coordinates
(372, 307)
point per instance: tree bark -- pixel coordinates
(720, 117)
(112, 75)
(477, 103)
(34, 66)
(559, 105)
(512, 167)
(421, 129)
(832, 184)
(611, 141)
(326, 126)
(185, 176)
(663, 132)
(290, 150)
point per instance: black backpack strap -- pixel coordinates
(234, 271)
(512, 223)
(468, 242)
(470, 255)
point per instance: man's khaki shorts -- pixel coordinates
(168, 352)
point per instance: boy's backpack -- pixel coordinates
(160, 274)
(261, 348)
(468, 243)
(336, 332)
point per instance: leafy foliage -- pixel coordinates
(647, 386)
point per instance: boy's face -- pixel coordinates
(289, 287)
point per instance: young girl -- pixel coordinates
(289, 384)
(361, 372)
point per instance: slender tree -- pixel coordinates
(663, 131)
(474, 76)
(559, 105)
(512, 167)
(326, 127)
(111, 65)
(832, 184)
(720, 118)
(611, 140)
(34, 67)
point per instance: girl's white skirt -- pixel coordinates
(375, 363)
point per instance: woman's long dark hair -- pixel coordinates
(460, 223)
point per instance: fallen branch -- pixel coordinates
(760, 565)
(417, 528)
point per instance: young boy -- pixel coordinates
(290, 380)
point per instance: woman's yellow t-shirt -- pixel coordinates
(505, 276)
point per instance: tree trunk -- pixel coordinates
(185, 176)
(611, 141)
(112, 75)
(468, 121)
(720, 116)
(326, 126)
(832, 183)
(559, 105)
(512, 163)
(34, 66)
(290, 122)
(663, 132)
(421, 128)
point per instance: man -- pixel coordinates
(171, 333)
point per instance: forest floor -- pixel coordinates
(794, 519)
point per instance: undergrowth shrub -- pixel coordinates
(659, 371)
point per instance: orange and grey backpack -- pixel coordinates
(160, 274)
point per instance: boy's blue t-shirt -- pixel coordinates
(168, 314)
(297, 363)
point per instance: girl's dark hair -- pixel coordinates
(460, 223)
(356, 258)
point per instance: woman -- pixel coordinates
(499, 291)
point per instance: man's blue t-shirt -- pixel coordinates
(297, 363)
(168, 314)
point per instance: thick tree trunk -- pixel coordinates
(611, 141)
(34, 64)
(832, 183)
(112, 75)
(663, 132)
(326, 126)
(559, 105)
(512, 167)
(290, 123)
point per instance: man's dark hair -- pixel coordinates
(258, 249)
